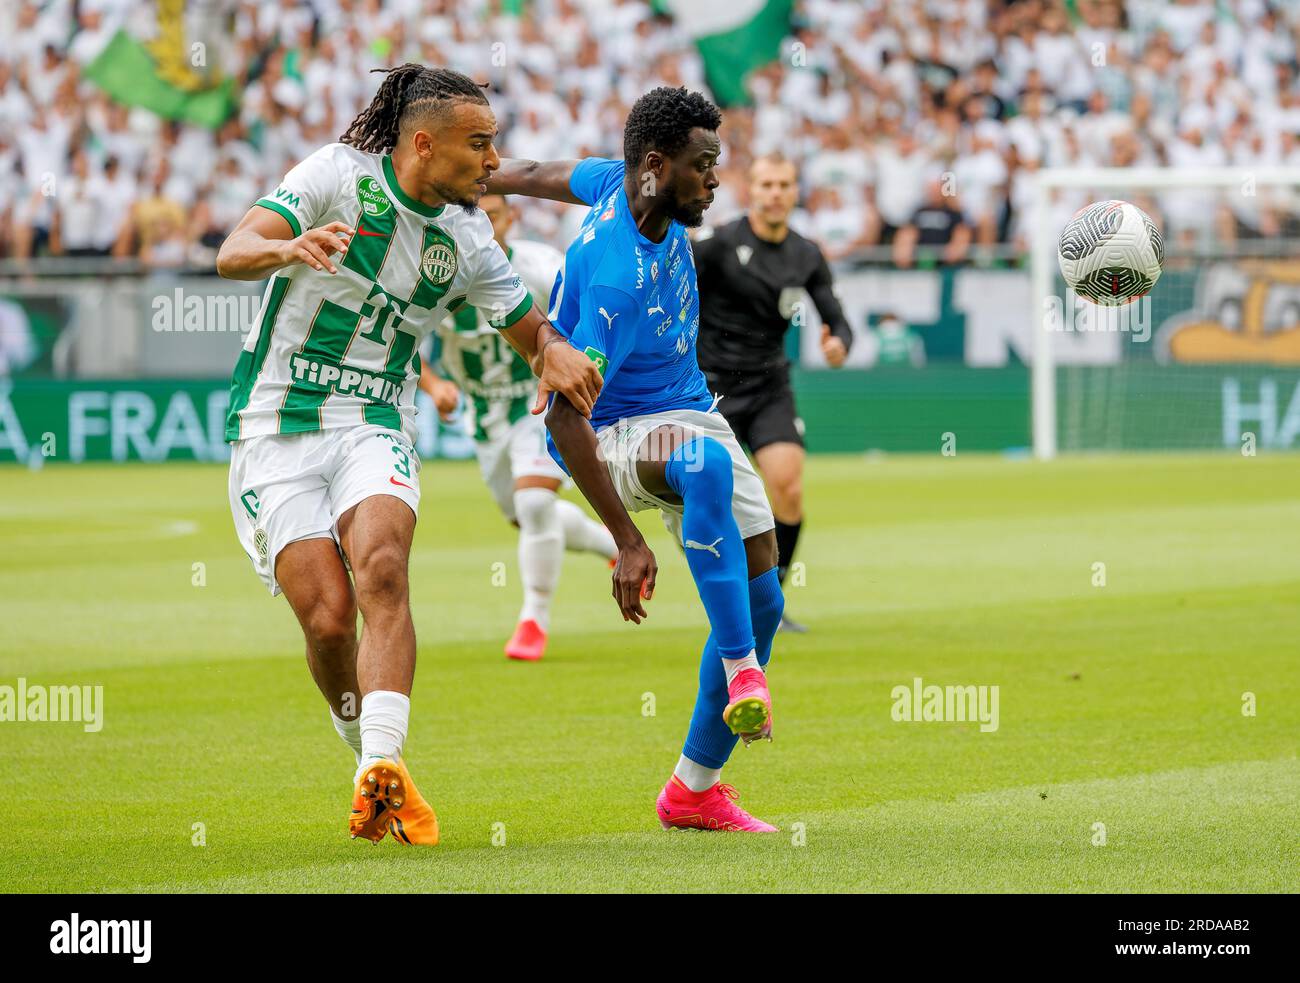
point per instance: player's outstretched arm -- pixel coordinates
(263, 242)
(634, 574)
(535, 179)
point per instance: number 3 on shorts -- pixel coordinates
(403, 464)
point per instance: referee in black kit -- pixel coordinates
(747, 271)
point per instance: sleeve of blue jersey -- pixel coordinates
(592, 177)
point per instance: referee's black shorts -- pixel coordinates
(762, 416)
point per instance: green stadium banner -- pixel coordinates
(733, 39)
(911, 410)
(62, 420)
(161, 80)
(891, 409)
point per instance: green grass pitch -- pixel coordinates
(1120, 704)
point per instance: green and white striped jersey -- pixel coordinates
(340, 350)
(499, 385)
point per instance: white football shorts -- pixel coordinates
(287, 487)
(620, 442)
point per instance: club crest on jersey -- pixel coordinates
(743, 253)
(371, 195)
(438, 264)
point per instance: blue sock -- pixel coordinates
(766, 602)
(700, 471)
(709, 741)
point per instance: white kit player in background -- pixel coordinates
(509, 441)
(368, 243)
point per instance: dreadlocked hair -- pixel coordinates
(407, 91)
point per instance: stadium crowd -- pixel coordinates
(914, 121)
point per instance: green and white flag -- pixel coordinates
(734, 37)
(168, 72)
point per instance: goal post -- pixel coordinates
(1221, 327)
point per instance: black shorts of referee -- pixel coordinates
(760, 407)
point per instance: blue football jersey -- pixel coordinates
(630, 303)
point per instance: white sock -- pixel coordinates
(541, 551)
(384, 719)
(695, 776)
(584, 534)
(733, 666)
(350, 731)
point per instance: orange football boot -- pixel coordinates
(387, 801)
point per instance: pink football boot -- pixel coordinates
(528, 644)
(713, 809)
(749, 706)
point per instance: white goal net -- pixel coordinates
(1210, 358)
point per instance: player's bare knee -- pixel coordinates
(381, 577)
(788, 495)
(331, 627)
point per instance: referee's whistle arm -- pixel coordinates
(833, 348)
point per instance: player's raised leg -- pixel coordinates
(695, 797)
(376, 536)
(313, 578)
(733, 699)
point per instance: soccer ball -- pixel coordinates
(1111, 253)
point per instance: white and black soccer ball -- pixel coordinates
(1111, 253)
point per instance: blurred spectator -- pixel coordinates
(936, 227)
(872, 98)
(78, 212)
(155, 229)
(897, 343)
